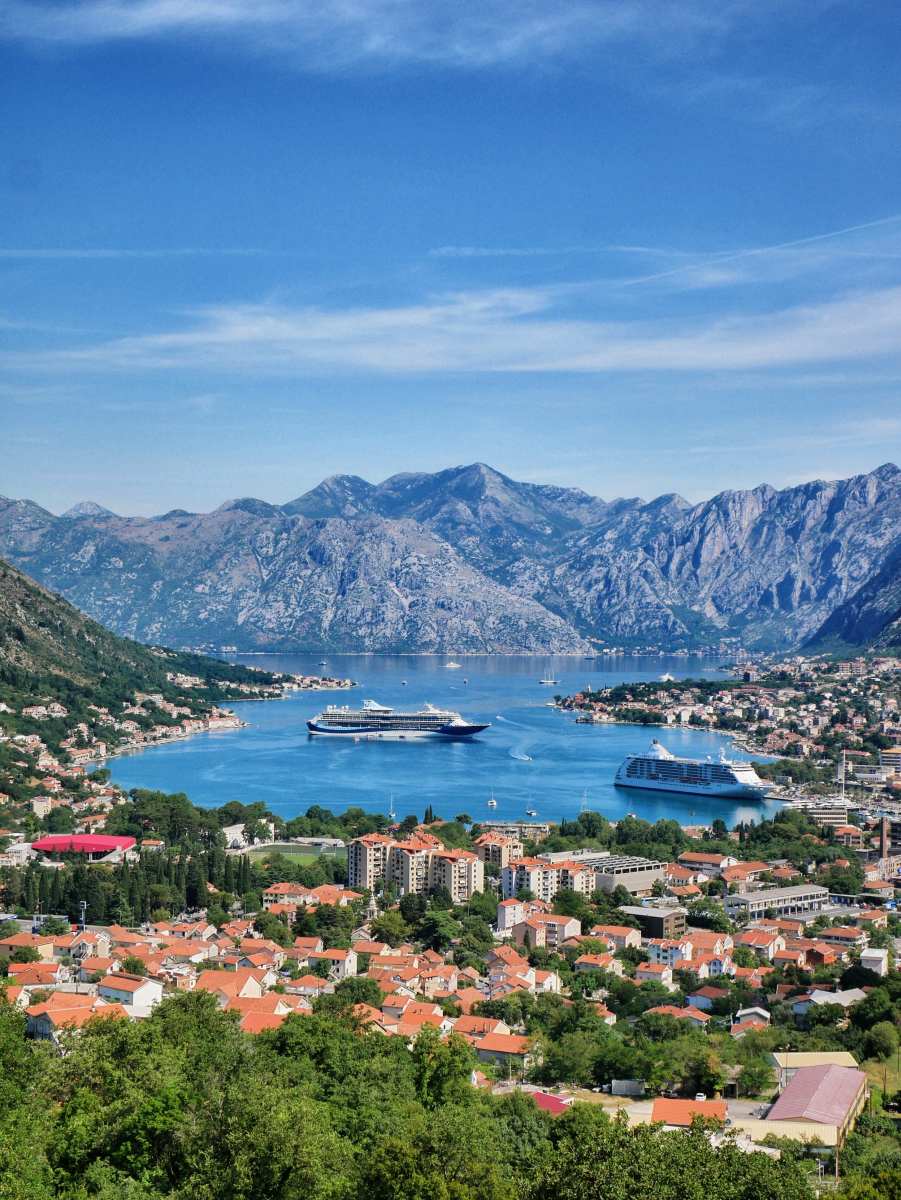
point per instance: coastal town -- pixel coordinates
(753, 989)
(824, 722)
(735, 984)
(144, 719)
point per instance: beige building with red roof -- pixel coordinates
(497, 849)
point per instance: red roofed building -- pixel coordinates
(681, 1113)
(693, 1015)
(94, 845)
(507, 1049)
(260, 1022)
(555, 1105)
(620, 935)
(65, 1010)
(740, 1028)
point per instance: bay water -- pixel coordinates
(532, 756)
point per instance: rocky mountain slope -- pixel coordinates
(871, 617)
(469, 560)
(261, 579)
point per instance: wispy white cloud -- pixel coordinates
(866, 246)
(503, 331)
(716, 269)
(328, 34)
(549, 251)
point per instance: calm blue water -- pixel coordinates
(532, 756)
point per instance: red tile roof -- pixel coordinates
(504, 1043)
(683, 1112)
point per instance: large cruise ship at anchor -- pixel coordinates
(375, 720)
(660, 771)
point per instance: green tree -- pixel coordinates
(25, 954)
(391, 927)
(437, 930)
(598, 1159)
(357, 989)
(882, 1040)
(56, 927)
(442, 1069)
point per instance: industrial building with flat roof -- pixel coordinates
(633, 872)
(804, 898)
(532, 831)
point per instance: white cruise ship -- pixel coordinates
(376, 720)
(659, 771)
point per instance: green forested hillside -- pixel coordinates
(48, 649)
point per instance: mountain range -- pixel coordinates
(468, 559)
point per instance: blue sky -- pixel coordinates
(636, 247)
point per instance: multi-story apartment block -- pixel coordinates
(498, 849)
(416, 865)
(460, 871)
(367, 860)
(408, 866)
(542, 879)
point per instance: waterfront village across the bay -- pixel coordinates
(744, 976)
(825, 722)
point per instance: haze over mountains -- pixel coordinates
(469, 560)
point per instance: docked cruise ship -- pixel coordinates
(375, 720)
(658, 770)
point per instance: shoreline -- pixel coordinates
(125, 748)
(732, 734)
(572, 654)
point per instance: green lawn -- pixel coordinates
(303, 857)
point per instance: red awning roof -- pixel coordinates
(551, 1104)
(82, 843)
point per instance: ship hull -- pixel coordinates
(724, 791)
(445, 733)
